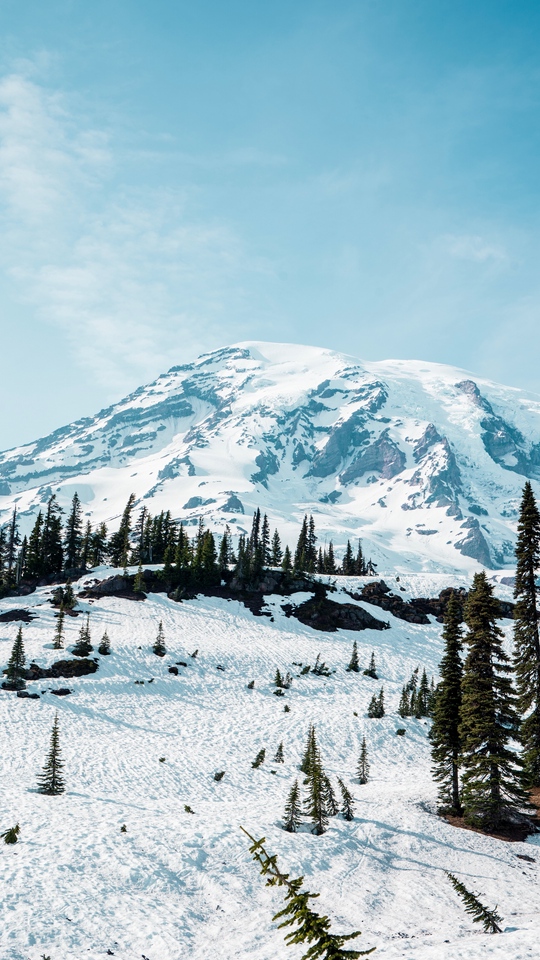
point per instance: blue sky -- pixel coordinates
(176, 176)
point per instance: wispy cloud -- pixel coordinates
(473, 247)
(133, 280)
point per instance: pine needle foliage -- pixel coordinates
(372, 669)
(527, 634)
(363, 763)
(279, 754)
(259, 758)
(58, 639)
(354, 665)
(444, 733)
(347, 802)
(309, 928)
(12, 835)
(15, 668)
(105, 646)
(51, 781)
(159, 643)
(84, 647)
(293, 812)
(489, 919)
(493, 794)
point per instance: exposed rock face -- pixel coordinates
(14, 616)
(474, 543)
(383, 457)
(344, 436)
(114, 587)
(324, 614)
(62, 668)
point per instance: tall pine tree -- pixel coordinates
(526, 634)
(492, 782)
(444, 733)
(50, 781)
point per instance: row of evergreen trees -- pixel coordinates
(53, 548)
(486, 733)
(320, 800)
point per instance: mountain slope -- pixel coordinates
(421, 461)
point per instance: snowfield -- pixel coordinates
(178, 885)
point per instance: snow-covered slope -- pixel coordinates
(420, 460)
(181, 886)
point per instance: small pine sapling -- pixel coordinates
(354, 665)
(259, 758)
(292, 814)
(286, 709)
(105, 646)
(58, 639)
(251, 685)
(489, 919)
(138, 583)
(404, 708)
(279, 754)
(330, 802)
(159, 643)
(312, 929)
(188, 809)
(278, 680)
(219, 775)
(372, 669)
(68, 599)
(123, 828)
(320, 669)
(15, 669)
(84, 647)
(50, 781)
(347, 802)
(363, 763)
(380, 703)
(11, 835)
(194, 654)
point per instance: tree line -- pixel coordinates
(54, 548)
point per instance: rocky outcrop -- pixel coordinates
(16, 616)
(320, 613)
(383, 457)
(348, 434)
(474, 543)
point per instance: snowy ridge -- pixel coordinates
(420, 460)
(180, 886)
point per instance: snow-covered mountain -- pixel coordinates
(421, 461)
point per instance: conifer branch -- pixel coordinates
(311, 927)
(490, 919)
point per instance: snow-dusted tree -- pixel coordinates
(51, 781)
(84, 647)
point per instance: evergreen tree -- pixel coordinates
(68, 599)
(526, 634)
(34, 562)
(15, 669)
(73, 535)
(372, 669)
(52, 554)
(360, 562)
(279, 754)
(225, 550)
(311, 753)
(278, 679)
(347, 802)
(286, 564)
(260, 758)
(311, 547)
(376, 706)
(301, 552)
(363, 763)
(58, 640)
(138, 583)
(265, 541)
(423, 697)
(87, 546)
(444, 733)
(489, 919)
(84, 647)
(316, 807)
(330, 560)
(329, 797)
(354, 665)
(159, 644)
(119, 542)
(98, 547)
(105, 646)
(404, 708)
(311, 928)
(277, 552)
(291, 817)
(13, 541)
(492, 788)
(348, 565)
(12, 835)
(51, 781)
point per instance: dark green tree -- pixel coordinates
(489, 919)
(15, 669)
(51, 781)
(286, 563)
(311, 755)
(354, 664)
(347, 802)
(260, 758)
(138, 583)
(404, 708)
(52, 554)
(363, 763)
(98, 549)
(301, 552)
(12, 542)
(12, 835)
(73, 535)
(105, 645)
(292, 815)
(84, 647)
(34, 560)
(159, 644)
(329, 797)
(372, 669)
(119, 541)
(526, 634)
(444, 733)
(58, 639)
(316, 800)
(277, 552)
(492, 780)
(279, 754)
(348, 564)
(68, 600)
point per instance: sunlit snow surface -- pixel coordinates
(179, 886)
